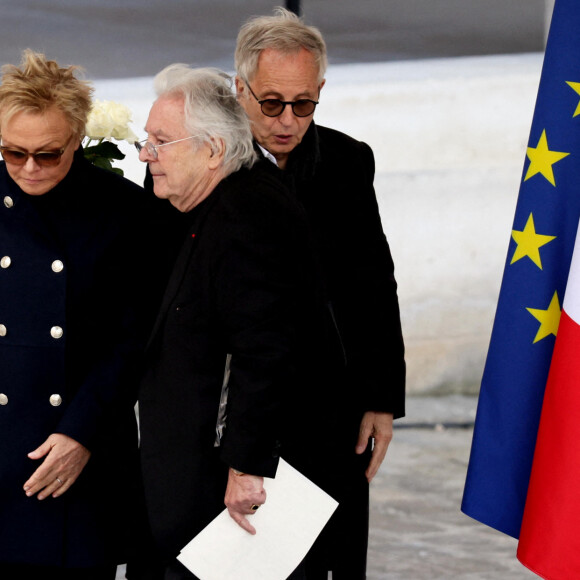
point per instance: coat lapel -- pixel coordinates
(182, 263)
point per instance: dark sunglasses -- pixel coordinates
(275, 107)
(42, 158)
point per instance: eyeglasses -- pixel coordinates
(50, 158)
(152, 149)
(275, 107)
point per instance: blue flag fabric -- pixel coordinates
(534, 281)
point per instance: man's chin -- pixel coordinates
(160, 193)
(159, 186)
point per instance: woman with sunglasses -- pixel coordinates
(73, 313)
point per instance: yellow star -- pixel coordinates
(529, 243)
(576, 87)
(542, 159)
(549, 319)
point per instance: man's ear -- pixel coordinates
(322, 83)
(217, 154)
(240, 86)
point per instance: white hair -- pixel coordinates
(211, 111)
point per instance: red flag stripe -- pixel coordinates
(550, 539)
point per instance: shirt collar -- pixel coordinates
(268, 155)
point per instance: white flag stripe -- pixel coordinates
(572, 298)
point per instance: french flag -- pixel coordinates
(523, 477)
(550, 534)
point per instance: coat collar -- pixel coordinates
(78, 168)
(194, 220)
(304, 159)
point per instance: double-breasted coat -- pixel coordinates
(234, 290)
(77, 286)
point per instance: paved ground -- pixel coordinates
(133, 38)
(417, 531)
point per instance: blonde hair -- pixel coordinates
(284, 32)
(39, 85)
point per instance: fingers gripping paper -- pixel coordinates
(294, 514)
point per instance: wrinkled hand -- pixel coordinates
(378, 426)
(64, 460)
(242, 492)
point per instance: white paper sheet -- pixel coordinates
(294, 514)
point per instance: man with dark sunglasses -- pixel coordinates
(353, 368)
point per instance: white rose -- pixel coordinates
(124, 133)
(99, 123)
(120, 114)
(108, 119)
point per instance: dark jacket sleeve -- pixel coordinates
(355, 265)
(373, 332)
(260, 277)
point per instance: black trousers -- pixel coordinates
(176, 571)
(27, 572)
(342, 546)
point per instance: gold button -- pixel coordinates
(8, 201)
(56, 332)
(5, 262)
(57, 266)
(3, 330)
(3, 399)
(55, 400)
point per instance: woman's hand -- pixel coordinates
(64, 460)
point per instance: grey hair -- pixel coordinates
(284, 32)
(211, 111)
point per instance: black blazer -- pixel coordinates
(353, 354)
(361, 358)
(235, 289)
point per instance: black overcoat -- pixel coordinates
(234, 290)
(77, 282)
(355, 360)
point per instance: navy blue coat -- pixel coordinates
(78, 282)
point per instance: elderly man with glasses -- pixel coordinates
(353, 367)
(218, 366)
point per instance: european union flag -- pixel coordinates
(534, 282)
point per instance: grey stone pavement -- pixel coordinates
(417, 530)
